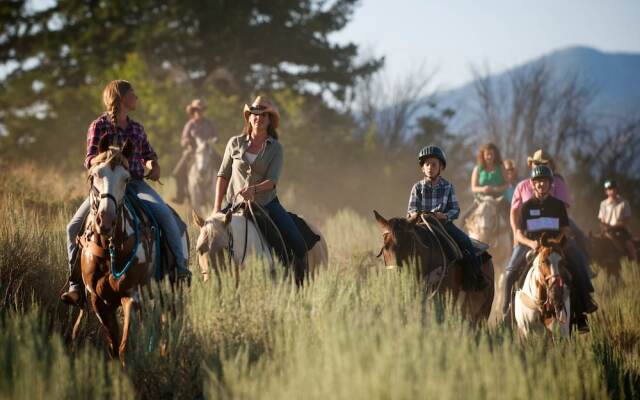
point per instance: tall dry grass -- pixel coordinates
(357, 331)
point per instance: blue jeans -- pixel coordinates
(517, 260)
(163, 214)
(288, 228)
(73, 230)
(463, 241)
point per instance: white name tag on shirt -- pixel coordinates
(534, 212)
(543, 224)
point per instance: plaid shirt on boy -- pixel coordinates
(142, 150)
(439, 197)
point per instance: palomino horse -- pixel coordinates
(119, 249)
(488, 223)
(544, 299)
(404, 242)
(202, 174)
(239, 236)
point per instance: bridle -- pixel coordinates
(415, 241)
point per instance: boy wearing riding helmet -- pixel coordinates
(614, 215)
(436, 195)
(542, 213)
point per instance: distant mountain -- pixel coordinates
(614, 76)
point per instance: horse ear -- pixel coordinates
(103, 144)
(197, 219)
(127, 149)
(227, 217)
(384, 224)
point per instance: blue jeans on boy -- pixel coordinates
(463, 241)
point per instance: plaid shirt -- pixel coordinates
(142, 150)
(440, 197)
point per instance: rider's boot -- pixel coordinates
(582, 323)
(300, 267)
(183, 274)
(590, 305)
(73, 296)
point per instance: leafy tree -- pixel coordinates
(61, 56)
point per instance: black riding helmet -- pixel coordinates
(542, 171)
(432, 151)
(609, 184)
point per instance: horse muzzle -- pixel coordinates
(104, 224)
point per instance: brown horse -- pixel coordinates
(118, 247)
(404, 242)
(607, 252)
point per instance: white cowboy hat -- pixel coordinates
(262, 105)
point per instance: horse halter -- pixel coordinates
(99, 196)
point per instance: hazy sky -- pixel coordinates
(452, 35)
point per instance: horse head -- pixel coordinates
(401, 243)
(109, 176)
(550, 282)
(484, 222)
(205, 155)
(213, 239)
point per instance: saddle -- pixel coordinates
(274, 237)
(430, 225)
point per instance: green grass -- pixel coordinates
(357, 331)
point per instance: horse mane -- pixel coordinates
(113, 157)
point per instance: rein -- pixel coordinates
(136, 227)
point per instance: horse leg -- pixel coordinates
(76, 325)
(107, 316)
(127, 303)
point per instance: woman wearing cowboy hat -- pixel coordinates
(197, 127)
(251, 167)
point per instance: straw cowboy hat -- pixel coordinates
(262, 105)
(540, 157)
(196, 104)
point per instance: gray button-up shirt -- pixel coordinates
(236, 168)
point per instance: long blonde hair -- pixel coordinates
(112, 97)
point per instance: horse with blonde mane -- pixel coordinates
(235, 236)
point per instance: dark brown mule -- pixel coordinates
(112, 224)
(607, 252)
(403, 244)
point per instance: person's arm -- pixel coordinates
(224, 175)
(149, 155)
(249, 192)
(452, 207)
(625, 218)
(414, 201)
(94, 133)
(514, 219)
(475, 180)
(185, 138)
(560, 191)
(222, 184)
(522, 239)
(502, 187)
